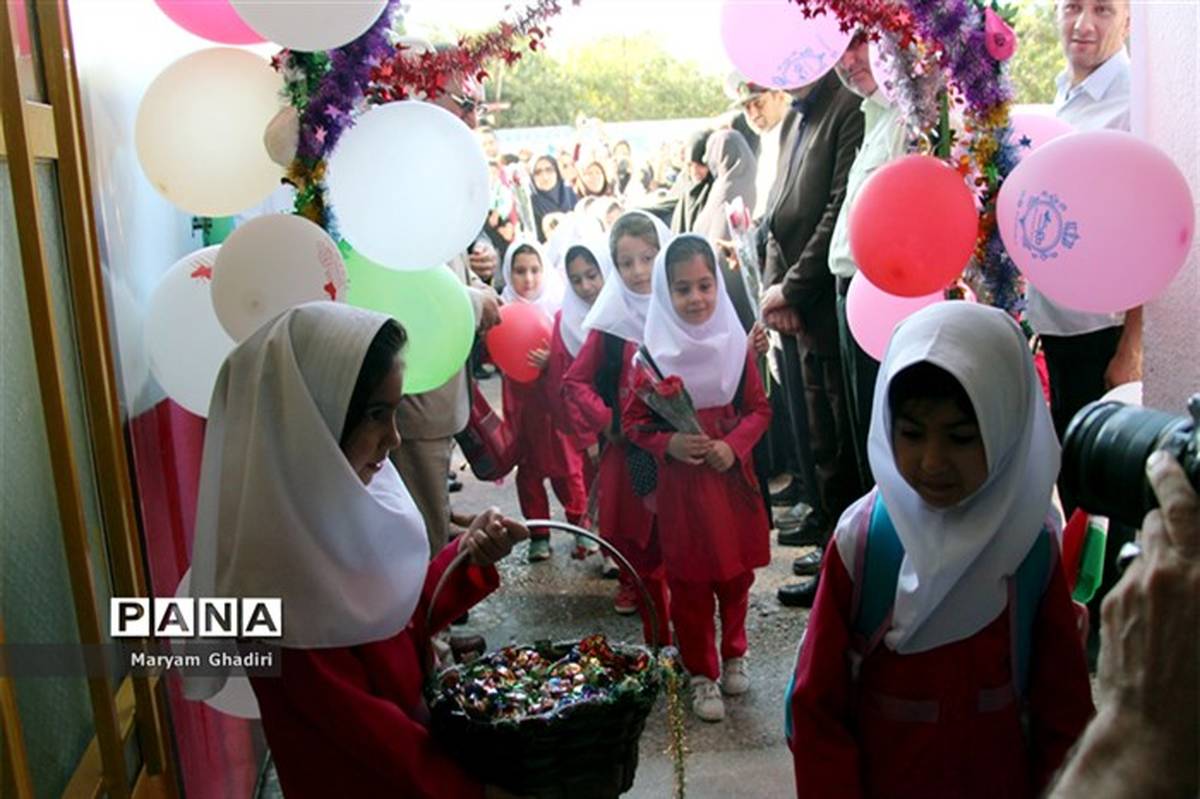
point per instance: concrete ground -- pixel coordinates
(743, 756)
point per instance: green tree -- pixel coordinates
(615, 78)
(1039, 56)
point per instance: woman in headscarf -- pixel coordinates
(299, 500)
(551, 194)
(733, 167)
(693, 192)
(595, 181)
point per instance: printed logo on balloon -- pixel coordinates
(1043, 229)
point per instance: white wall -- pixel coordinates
(1166, 55)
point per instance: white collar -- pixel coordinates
(1099, 82)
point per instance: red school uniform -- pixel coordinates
(713, 527)
(351, 721)
(545, 450)
(624, 518)
(555, 376)
(940, 723)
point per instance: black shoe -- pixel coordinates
(807, 565)
(807, 535)
(454, 486)
(787, 496)
(798, 595)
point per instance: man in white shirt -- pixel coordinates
(1087, 353)
(884, 139)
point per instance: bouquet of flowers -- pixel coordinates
(666, 396)
(741, 228)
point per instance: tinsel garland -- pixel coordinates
(330, 89)
(922, 36)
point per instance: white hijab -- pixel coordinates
(575, 310)
(578, 226)
(550, 294)
(710, 356)
(281, 512)
(952, 580)
(618, 310)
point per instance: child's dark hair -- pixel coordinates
(686, 248)
(579, 251)
(925, 381)
(377, 363)
(525, 249)
(635, 225)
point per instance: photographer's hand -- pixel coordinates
(1145, 739)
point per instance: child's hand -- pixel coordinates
(720, 457)
(689, 447)
(729, 251)
(593, 453)
(491, 537)
(759, 339)
(538, 358)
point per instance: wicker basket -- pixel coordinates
(584, 751)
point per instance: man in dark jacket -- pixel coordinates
(821, 139)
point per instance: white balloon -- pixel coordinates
(186, 343)
(270, 264)
(199, 131)
(310, 25)
(409, 185)
(237, 697)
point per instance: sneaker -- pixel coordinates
(626, 602)
(706, 699)
(610, 571)
(584, 547)
(734, 679)
(539, 549)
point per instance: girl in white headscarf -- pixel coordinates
(713, 526)
(543, 450)
(588, 268)
(943, 587)
(299, 500)
(594, 389)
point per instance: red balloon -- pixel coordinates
(914, 226)
(523, 328)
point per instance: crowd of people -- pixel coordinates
(943, 654)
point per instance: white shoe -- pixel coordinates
(706, 699)
(734, 679)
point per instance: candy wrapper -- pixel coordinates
(741, 228)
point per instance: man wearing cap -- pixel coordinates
(765, 109)
(801, 303)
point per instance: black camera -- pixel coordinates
(1105, 452)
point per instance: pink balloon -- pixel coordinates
(776, 46)
(1098, 221)
(873, 313)
(884, 71)
(1031, 129)
(214, 20)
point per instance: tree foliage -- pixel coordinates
(615, 78)
(1039, 56)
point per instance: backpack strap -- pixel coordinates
(876, 570)
(1025, 591)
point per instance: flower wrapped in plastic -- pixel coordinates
(741, 229)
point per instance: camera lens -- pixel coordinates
(1104, 457)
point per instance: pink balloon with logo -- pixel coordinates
(1099, 221)
(1032, 127)
(214, 20)
(873, 313)
(775, 45)
(883, 69)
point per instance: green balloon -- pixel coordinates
(434, 307)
